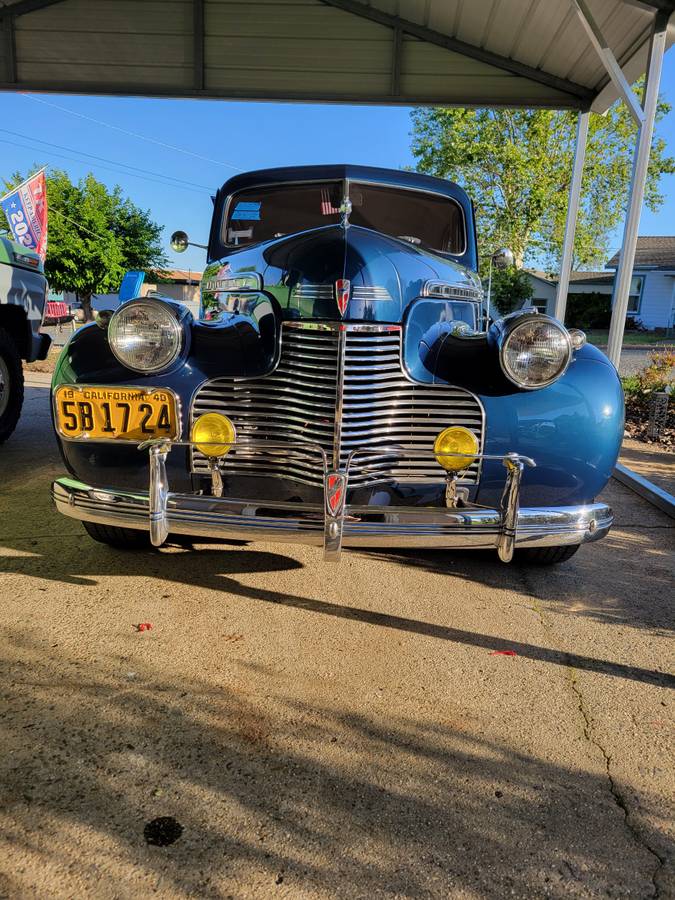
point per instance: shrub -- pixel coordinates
(587, 311)
(658, 376)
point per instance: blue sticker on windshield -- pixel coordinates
(250, 212)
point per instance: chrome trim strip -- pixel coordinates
(365, 293)
(450, 291)
(339, 397)
(244, 281)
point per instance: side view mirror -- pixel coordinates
(503, 258)
(179, 242)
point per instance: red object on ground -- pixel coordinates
(503, 653)
(144, 626)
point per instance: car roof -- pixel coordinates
(373, 174)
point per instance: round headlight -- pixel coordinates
(536, 352)
(145, 335)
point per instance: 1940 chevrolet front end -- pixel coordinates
(342, 387)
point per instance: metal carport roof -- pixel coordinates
(466, 52)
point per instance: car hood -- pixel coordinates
(381, 275)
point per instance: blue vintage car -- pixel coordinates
(342, 387)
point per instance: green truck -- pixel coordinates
(23, 295)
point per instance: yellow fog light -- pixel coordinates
(213, 434)
(456, 440)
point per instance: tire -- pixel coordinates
(119, 538)
(11, 385)
(544, 556)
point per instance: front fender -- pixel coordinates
(572, 429)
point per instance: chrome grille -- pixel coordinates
(380, 408)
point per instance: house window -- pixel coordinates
(539, 303)
(635, 295)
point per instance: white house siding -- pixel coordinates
(656, 304)
(544, 295)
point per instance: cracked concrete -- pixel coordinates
(616, 793)
(329, 732)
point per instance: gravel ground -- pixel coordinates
(298, 729)
(633, 359)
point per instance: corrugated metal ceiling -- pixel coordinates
(465, 52)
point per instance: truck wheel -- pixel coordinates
(11, 385)
(544, 556)
(120, 538)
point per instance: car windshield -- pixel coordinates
(429, 220)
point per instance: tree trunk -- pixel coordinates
(85, 300)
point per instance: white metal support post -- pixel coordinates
(624, 273)
(571, 221)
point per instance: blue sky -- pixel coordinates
(219, 139)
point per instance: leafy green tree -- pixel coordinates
(517, 165)
(510, 288)
(95, 235)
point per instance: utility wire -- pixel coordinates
(102, 159)
(117, 171)
(58, 212)
(141, 137)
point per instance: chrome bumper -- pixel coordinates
(335, 524)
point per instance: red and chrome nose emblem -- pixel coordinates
(342, 288)
(335, 493)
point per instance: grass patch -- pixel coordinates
(599, 337)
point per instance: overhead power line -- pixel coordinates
(135, 134)
(58, 212)
(116, 170)
(112, 162)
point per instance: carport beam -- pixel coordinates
(643, 146)
(572, 212)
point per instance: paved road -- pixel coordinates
(328, 732)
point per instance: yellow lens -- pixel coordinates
(213, 434)
(456, 440)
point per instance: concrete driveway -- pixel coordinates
(322, 731)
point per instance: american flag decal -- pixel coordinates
(327, 208)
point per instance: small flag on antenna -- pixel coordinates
(25, 207)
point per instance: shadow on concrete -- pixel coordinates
(57, 549)
(86, 563)
(279, 791)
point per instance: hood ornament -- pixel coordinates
(345, 211)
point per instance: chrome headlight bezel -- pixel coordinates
(508, 329)
(174, 320)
